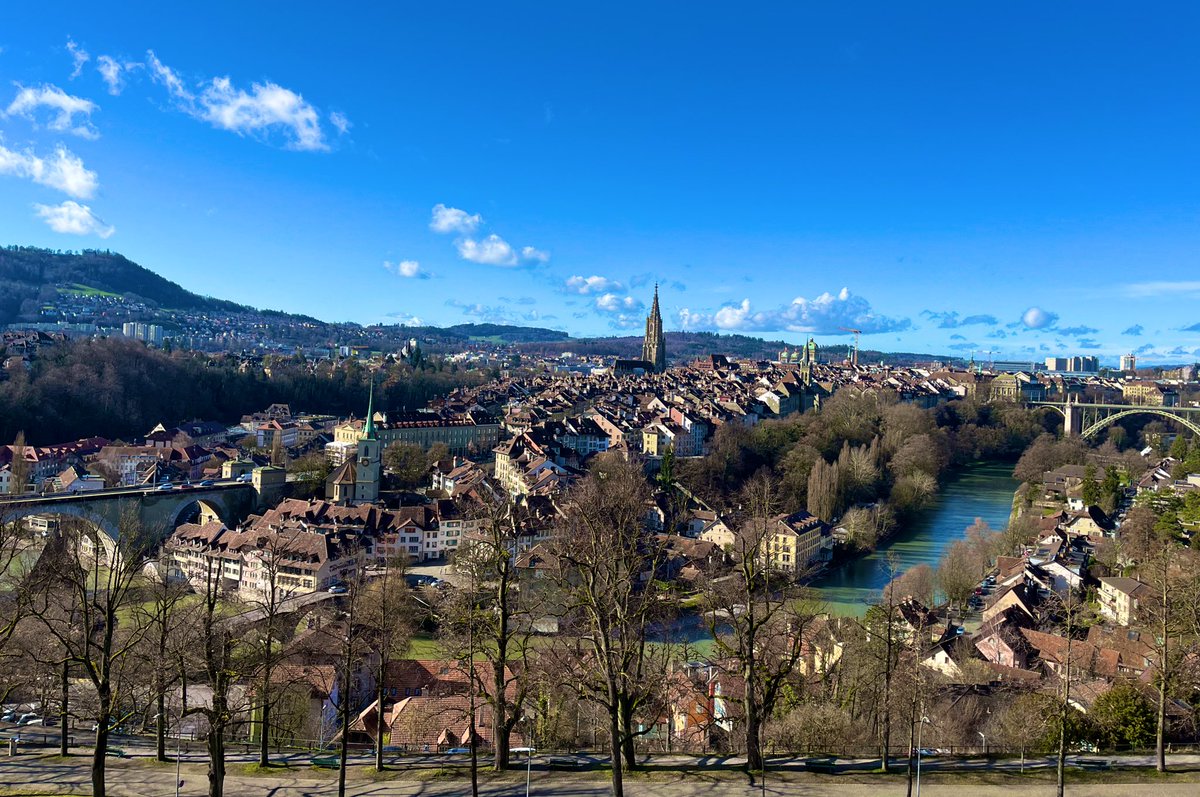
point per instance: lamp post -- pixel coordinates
(985, 747)
(528, 723)
(920, 727)
(178, 751)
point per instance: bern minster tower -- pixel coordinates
(654, 348)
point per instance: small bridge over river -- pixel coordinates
(158, 510)
(1086, 420)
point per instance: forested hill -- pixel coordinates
(29, 275)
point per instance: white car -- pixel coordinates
(29, 719)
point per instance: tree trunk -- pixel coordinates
(98, 756)
(160, 732)
(501, 729)
(264, 740)
(216, 761)
(344, 748)
(63, 746)
(1062, 719)
(160, 689)
(754, 761)
(614, 741)
(379, 726)
(912, 727)
(628, 748)
(1163, 674)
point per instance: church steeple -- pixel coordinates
(369, 428)
(654, 347)
(368, 467)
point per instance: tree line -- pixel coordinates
(866, 458)
(119, 388)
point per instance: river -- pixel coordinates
(983, 490)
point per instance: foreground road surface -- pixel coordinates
(45, 775)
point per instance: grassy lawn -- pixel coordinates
(79, 289)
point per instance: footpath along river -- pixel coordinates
(982, 490)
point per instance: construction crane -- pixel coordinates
(857, 332)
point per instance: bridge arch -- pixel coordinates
(1162, 413)
(197, 510)
(104, 521)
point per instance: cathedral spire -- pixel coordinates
(369, 427)
(654, 349)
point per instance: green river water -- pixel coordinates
(983, 490)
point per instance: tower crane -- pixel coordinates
(857, 332)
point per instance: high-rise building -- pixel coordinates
(1057, 364)
(148, 333)
(1129, 362)
(654, 347)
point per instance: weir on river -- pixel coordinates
(983, 490)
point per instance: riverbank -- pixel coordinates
(981, 490)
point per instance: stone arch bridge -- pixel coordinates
(1086, 420)
(158, 511)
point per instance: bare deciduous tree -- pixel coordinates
(86, 586)
(606, 567)
(758, 616)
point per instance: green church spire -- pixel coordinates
(369, 428)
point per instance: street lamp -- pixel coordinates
(178, 751)
(528, 750)
(985, 747)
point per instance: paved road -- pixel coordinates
(138, 779)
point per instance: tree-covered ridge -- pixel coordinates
(30, 273)
(119, 388)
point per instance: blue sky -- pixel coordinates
(948, 177)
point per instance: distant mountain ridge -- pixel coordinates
(29, 275)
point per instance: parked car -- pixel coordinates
(458, 751)
(337, 589)
(9, 715)
(29, 719)
(165, 487)
(207, 483)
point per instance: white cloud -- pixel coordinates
(167, 77)
(407, 319)
(531, 254)
(267, 107)
(1037, 318)
(64, 108)
(73, 219)
(79, 57)
(1147, 290)
(446, 219)
(828, 314)
(492, 250)
(340, 122)
(616, 303)
(63, 171)
(113, 72)
(406, 268)
(593, 284)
